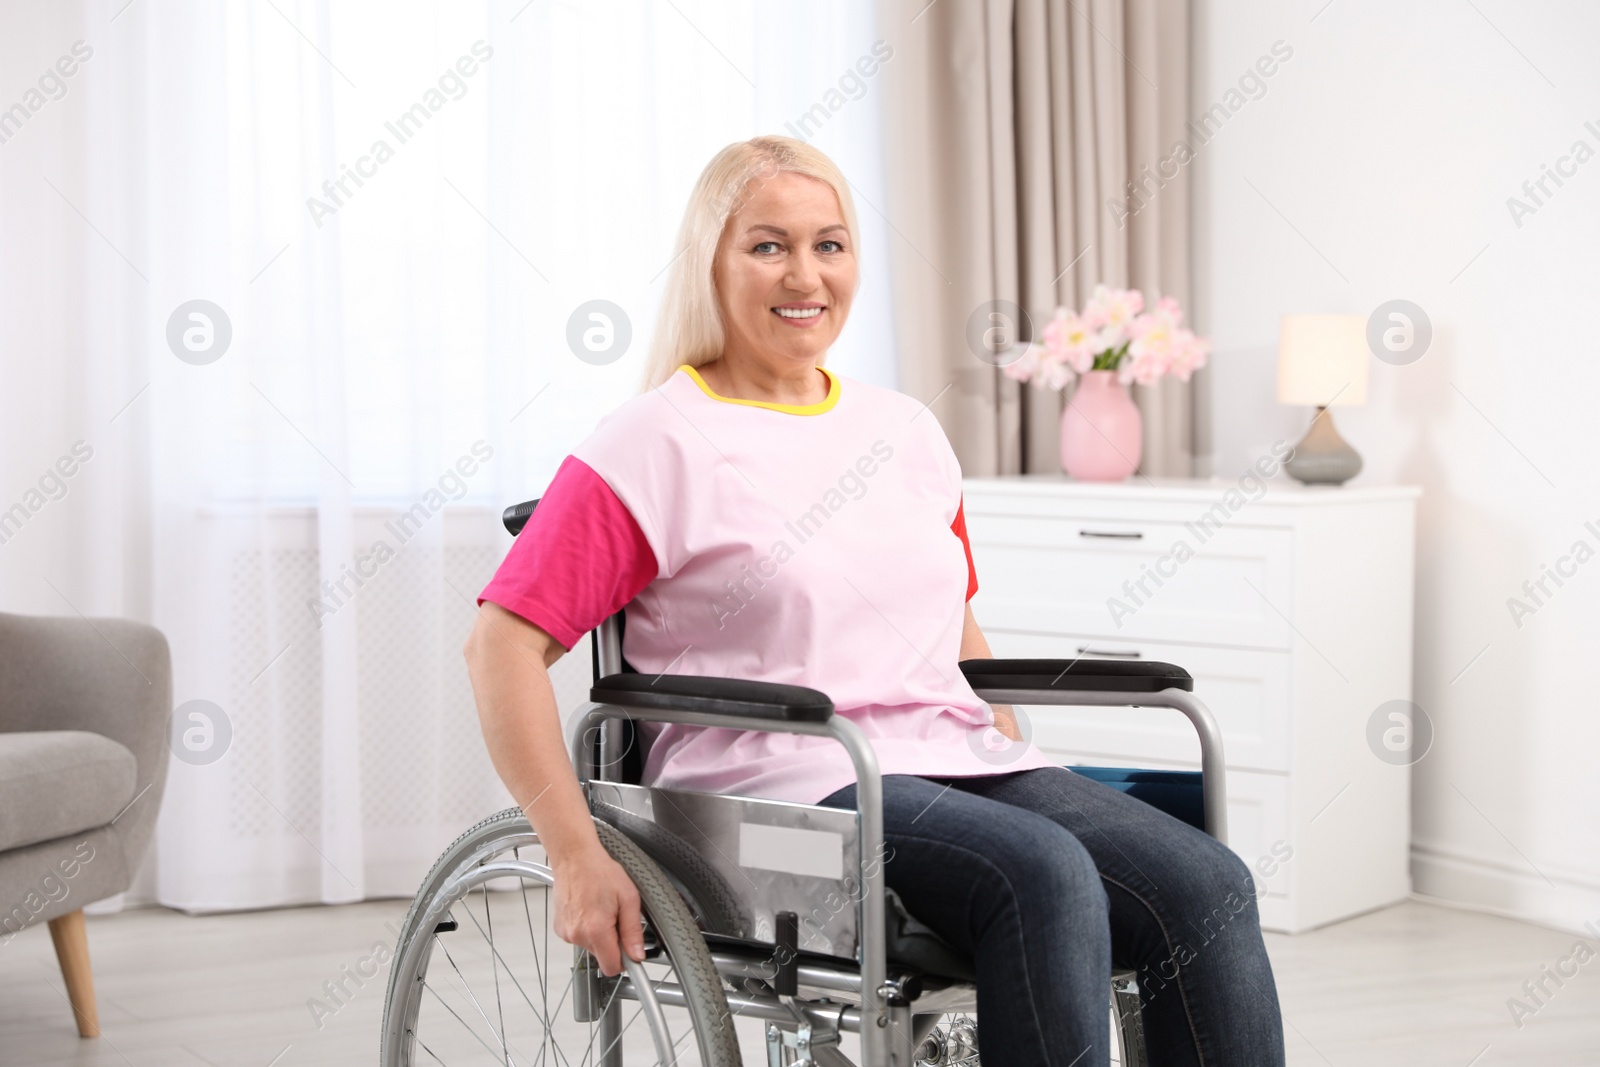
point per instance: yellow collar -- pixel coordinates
(826, 403)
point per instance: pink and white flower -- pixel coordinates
(1113, 332)
(1026, 366)
(1189, 354)
(1070, 339)
(1116, 308)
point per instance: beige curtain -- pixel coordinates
(1014, 129)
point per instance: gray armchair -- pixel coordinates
(84, 712)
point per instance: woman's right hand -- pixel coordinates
(595, 902)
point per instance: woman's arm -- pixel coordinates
(508, 659)
(974, 646)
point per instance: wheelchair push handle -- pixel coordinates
(517, 515)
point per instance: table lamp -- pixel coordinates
(1322, 361)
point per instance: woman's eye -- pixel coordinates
(830, 246)
(766, 248)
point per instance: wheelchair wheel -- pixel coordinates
(479, 977)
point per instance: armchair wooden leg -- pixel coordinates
(71, 939)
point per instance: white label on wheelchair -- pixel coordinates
(819, 853)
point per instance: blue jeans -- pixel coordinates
(1046, 879)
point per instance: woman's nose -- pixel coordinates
(803, 275)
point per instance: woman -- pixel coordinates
(761, 518)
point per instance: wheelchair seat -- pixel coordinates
(910, 943)
(913, 943)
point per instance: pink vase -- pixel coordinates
(1101, 430)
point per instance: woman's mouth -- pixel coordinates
(800, 314)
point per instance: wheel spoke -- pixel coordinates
(499, 1007)
(675, 1045)
(430, 1051)
(571, 977)
(548, 893)
(533, 942)
(610, 1002)
(607, 1050)
(538, 962)
(467, 988)
(468, 1026)
(668, 1032)
(511, 974)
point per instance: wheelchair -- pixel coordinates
(765, 919)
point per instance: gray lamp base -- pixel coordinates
(1323, 457)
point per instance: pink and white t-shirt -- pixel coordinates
(821, 546)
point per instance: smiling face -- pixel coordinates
(785, 273)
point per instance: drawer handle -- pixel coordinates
(1090, 650)
(1117, 535)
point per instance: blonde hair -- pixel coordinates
(689, 327)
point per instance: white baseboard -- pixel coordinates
(1560, 899)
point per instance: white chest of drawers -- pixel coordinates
(1292, 608)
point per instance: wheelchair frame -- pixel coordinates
(887, 1000)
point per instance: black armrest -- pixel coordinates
(516, 516)
(1090, 675)
(714, 696)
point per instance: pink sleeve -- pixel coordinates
(580, 559)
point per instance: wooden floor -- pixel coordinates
(1412, 985)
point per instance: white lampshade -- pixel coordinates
(1322, 360)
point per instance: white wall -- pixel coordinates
(1390, 141)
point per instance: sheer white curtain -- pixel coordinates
(396, 208)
